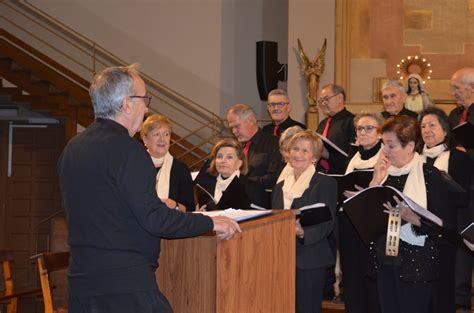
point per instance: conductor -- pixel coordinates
(114, 217)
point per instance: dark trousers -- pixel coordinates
(330, 280)
(360, 291)
(463, 275)
(397, 296)
(444, 296)
(137, 302)
(309, 290)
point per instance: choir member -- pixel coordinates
(304, 186)
(438, 150)
(283, 142)
(360, 294)
(406, 283)
(230, 188)
(174, 185)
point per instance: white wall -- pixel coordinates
(206, 49)
(311, 21)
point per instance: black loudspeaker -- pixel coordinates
(269, 71)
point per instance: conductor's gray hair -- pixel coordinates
(109, 87)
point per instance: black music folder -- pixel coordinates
(468, 233)
(366, 211)
(464, 135)
(345, 182)
(205, 198)
(329, 144)
(313, 214)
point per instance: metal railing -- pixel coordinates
(191, 121)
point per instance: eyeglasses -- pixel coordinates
(367, 129)
(277, 104)
(146, 99)
(326, 99)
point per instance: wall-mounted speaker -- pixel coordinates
(269, 70)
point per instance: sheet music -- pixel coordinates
(237, 215)
(257, 207)
(310, 206)
(412, 204)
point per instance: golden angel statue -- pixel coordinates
(312, 70)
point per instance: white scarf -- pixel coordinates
(359, 164)
(293, 189)
(284, 173)
(441, 153)
(163, 175)
(415, 189)
(222, 184)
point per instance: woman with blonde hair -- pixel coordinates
(304, 186)
(174, 184)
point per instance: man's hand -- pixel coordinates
(170, 203)
(299, 231)
(225, 227)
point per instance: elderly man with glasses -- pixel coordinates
(115, 219)
(279, 108)
(338, 127)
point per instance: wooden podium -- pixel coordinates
(252, 272)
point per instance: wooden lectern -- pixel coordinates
(252, 272)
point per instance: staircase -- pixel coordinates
(50, 88)
(45, 89)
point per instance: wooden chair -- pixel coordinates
(10, 296)
(48, 263)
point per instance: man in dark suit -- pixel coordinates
(338, 127)
(115, 218)
(279, 108)
(262, 152)
(462, 89)
(393, 97)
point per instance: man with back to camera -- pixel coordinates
(279, 108)
(393, 97)
(114, 216)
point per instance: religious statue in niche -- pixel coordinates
(312, 71)
(416, 70)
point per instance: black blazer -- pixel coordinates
(314, 250)
(240, 193)
(181, 185)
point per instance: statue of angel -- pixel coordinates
(312, 70)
